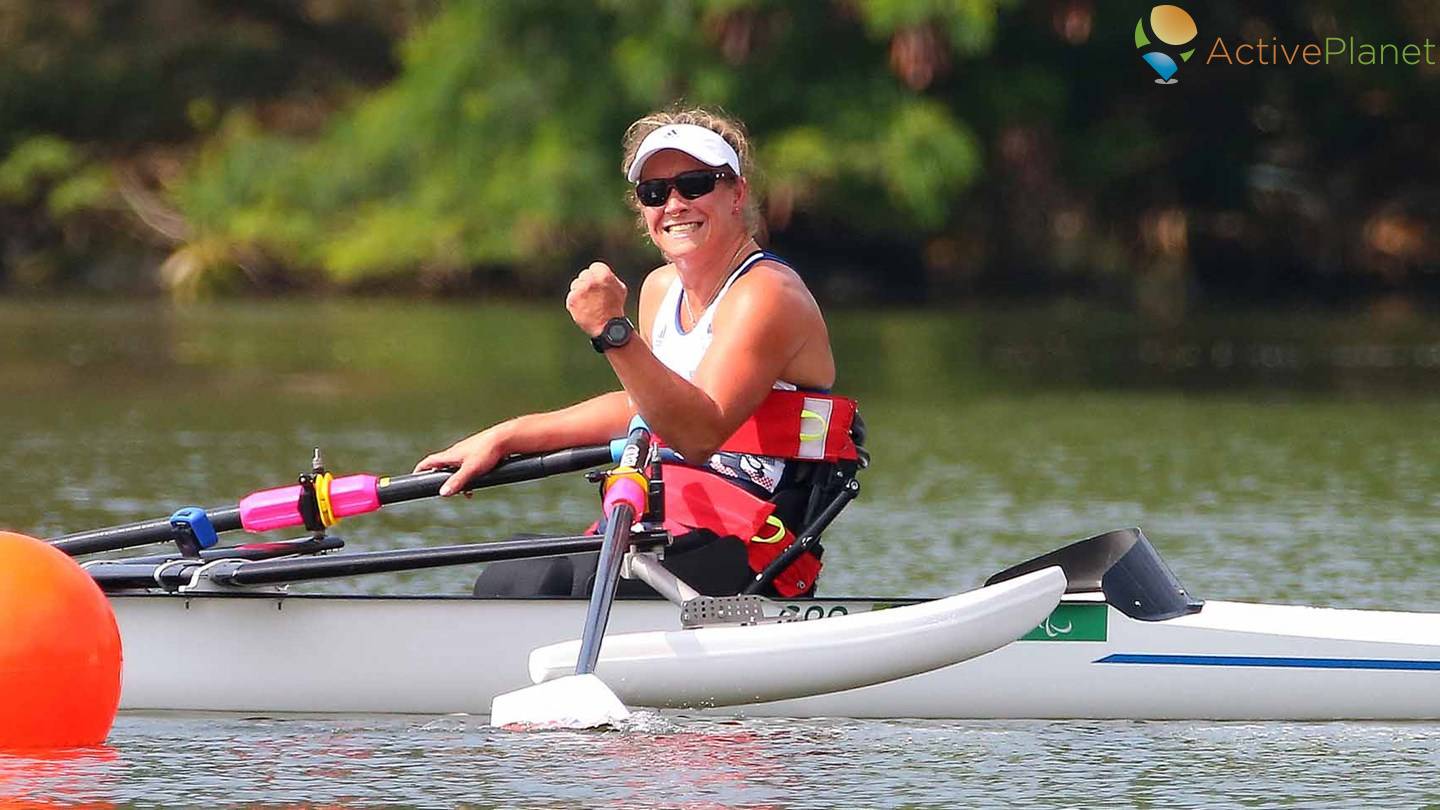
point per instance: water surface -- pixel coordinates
(1285, 459)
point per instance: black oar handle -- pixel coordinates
(395, 489)
(416, 486)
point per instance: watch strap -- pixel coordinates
(603, 342)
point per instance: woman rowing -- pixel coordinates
(723, 324)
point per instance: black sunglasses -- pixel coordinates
(692, 185)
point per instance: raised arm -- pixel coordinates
(761, 327)
(592, 421)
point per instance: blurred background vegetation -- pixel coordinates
(912, 151)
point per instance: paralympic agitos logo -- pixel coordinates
(1172, 26)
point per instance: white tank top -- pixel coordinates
(681, 352)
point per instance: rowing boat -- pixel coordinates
(1125, 642)
(387, 649)
(216, 628)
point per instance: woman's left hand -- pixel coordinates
(596, 296)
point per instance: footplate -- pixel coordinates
(708, 611)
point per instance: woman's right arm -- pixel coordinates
(594, 421)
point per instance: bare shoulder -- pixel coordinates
(772, 284)
(658, 280)
(773, 301)
(652, 292)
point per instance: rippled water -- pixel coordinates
(1285, 460)
(693, 762)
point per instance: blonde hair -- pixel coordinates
(731, 129)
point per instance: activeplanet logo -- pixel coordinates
(1169, 41)
(1172, 26)
(1334, 50)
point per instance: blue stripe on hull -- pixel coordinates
(1269, 661)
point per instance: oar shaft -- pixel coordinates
(113, 538)
(407, 559)
(395, 489)
(607, 578)
(626, 497)
(252, 551)
(129, 575)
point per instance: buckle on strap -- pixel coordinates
(778, 525)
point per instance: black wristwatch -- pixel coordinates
(616, 333)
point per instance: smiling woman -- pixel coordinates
(732, 371)
(731, 151)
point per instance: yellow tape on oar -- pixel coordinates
(628, 484)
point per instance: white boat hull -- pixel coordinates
(1231, 661)
(434, 655)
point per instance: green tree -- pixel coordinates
(497, 145)
(103, 102)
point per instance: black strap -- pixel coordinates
(309, 504)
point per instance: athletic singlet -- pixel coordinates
(682, 351)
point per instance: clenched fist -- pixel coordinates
(596, 296)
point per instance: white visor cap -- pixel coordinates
(698, 142)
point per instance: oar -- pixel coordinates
(250, 551)
(583, 700)
(173, 573)
(283, 507)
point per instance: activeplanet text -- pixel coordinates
(1334, 50)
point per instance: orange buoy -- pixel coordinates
(59, 650)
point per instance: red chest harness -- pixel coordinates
(793, 425)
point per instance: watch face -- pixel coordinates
(616, 331)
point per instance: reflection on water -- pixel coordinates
(63, 778)
(529, 355)
(1278, 459)
(166, 760)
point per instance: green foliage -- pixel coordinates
(498, 144)
(85, 190)
(926, 159)
(972, 146)
(54, 172)
(32, 164)
(969, 24)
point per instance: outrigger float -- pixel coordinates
(1098, 629)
